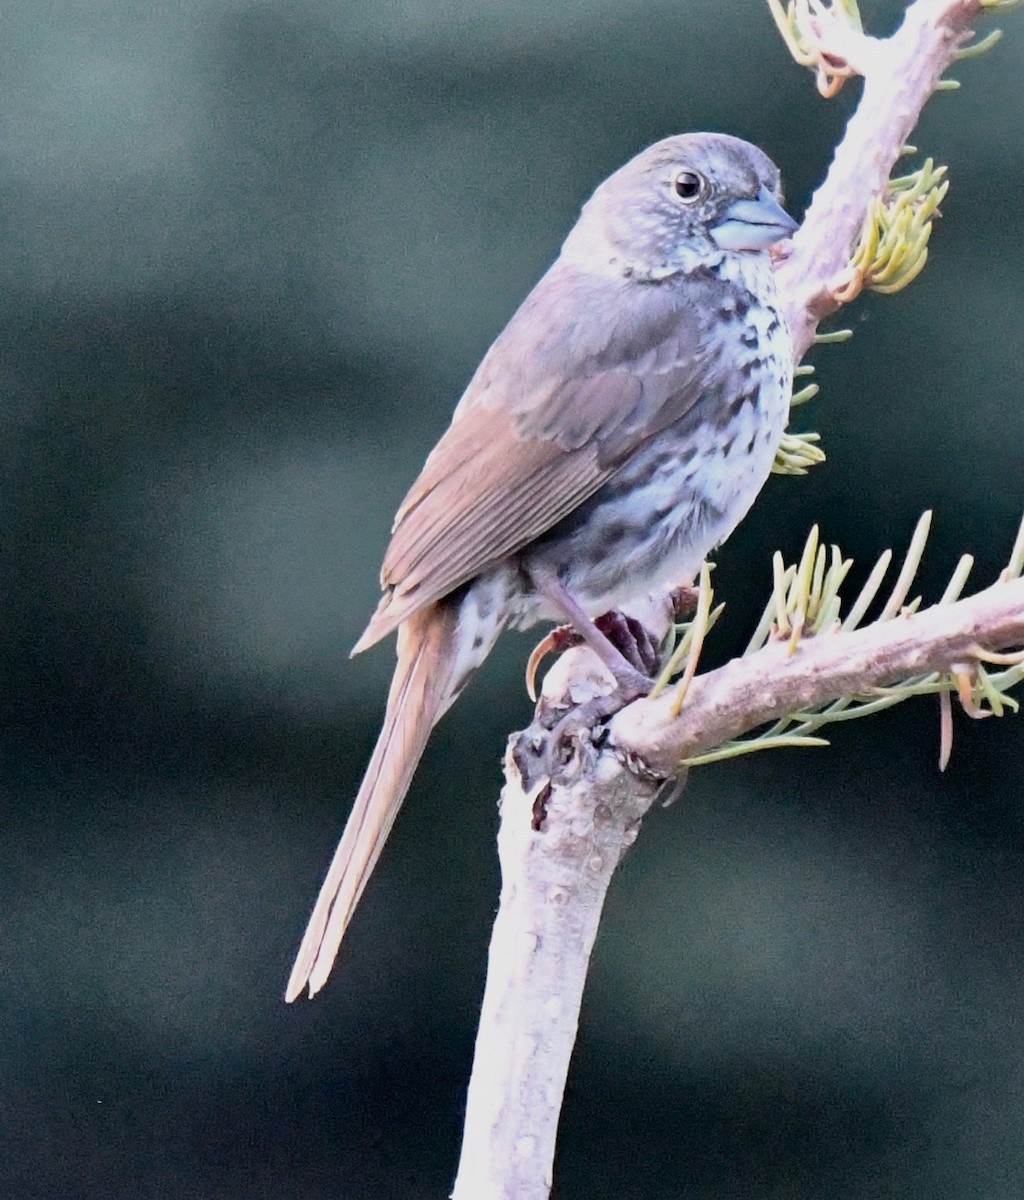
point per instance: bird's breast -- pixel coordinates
(683, 491)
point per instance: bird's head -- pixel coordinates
(680, 202)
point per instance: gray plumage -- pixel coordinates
(617, 430)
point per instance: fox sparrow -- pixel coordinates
(617, 430)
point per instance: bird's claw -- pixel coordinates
(642, 657)
(560, 639)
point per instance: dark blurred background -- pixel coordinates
(250, 254)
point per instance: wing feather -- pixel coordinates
(582, 375)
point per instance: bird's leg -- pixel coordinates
(627, 676)
(624, 632)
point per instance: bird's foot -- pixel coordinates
(632, 656)
(631, 640)
(625, 647)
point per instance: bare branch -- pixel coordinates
(569, 811)
(558, 851)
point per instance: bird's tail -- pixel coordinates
(439, 648)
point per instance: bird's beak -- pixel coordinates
(753, 224)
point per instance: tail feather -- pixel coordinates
(428, 676)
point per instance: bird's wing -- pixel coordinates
(574, 384)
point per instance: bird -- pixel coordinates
(616, 432)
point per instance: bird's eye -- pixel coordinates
(688, 186)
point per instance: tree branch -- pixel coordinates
(751, 691)
(577, 787)
(569, 811)
(559, 845)
(900, 75)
